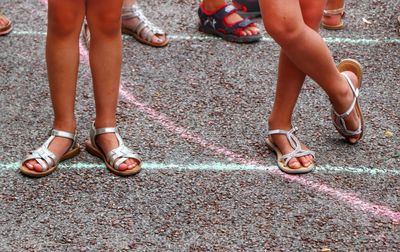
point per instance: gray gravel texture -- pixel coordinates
(223, 93)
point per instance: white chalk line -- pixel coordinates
(183, 37)
(217, 166)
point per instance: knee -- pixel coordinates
(106, 25)
(64, 24)
(284, 31)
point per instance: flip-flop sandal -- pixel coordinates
(48, 159)
(115, 157)
(214, 23)
(143, 28)
(336, 12)
(247, 8)
(338, 119)
(7, 28)
(283, 160)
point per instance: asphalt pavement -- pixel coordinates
(196, 111)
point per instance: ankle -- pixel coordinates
(342, 98)
(212, 6)
(105, 123)
(65, 125)
(279, 123)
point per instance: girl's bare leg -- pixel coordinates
(305, 49)
(104, 20)
(62, 56)
(290, 81)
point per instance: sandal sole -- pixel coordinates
(143, 41)
(333, 27)
(229, 37)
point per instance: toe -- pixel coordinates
(305, 161)
(37, 167)
(354, 139)
(157, 40)
(123, 167)
(29, 164)
(133, 163)
(255, 30)
(294, 164)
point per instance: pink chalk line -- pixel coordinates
(349, 198)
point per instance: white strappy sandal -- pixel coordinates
(115, 157)
(48, 159)
(283, 160)
(139, 31)
(338, 119)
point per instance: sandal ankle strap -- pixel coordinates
(95, 132)
(356, 94)
(339, 122)
(334, 12)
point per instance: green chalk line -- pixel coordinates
(182, 37)
(217, 167)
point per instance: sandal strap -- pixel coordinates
(250, 5)
(334, 12)
(143, 23)
(339, 122)
(43, 155)
(119, 155)
(294, 143)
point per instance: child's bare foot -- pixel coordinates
(108, 142)
(343, 103)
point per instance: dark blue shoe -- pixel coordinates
(214, 23)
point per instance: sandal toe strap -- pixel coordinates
(243, 24)
(295, 154)
(43, 156)
(119, 155)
